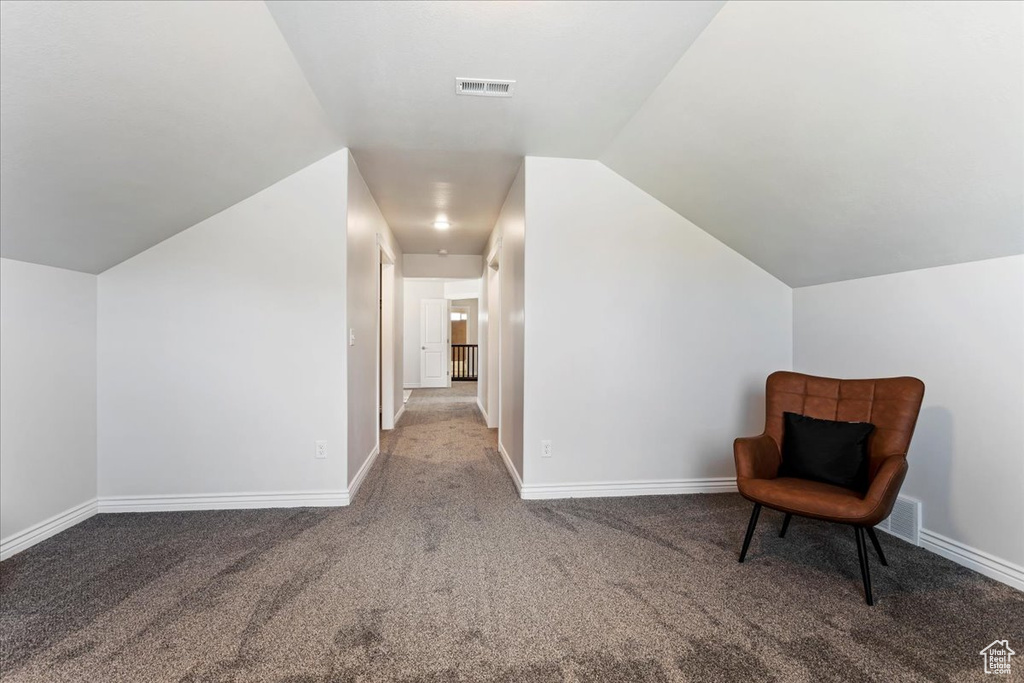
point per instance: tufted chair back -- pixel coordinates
(891, 404)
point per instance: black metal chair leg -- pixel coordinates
(878, 546)
(865, 570)
(750, 530)
(785, 525)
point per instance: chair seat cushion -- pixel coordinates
(810, 499)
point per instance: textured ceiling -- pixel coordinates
(385, 72)
(123, 123)
(415, 188)
(835, 140)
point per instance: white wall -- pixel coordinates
(489, 331)
(462, 289)
(454, 266)
(414, 292)
(960, 329)
(47, 394)
(365, 223)
(510, 233)
(647, 341)
(220, 358)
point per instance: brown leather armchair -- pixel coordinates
(892, 405)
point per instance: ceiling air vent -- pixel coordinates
(482, 87)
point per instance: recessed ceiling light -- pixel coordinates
(442, 225)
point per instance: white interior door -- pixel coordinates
(434, 343)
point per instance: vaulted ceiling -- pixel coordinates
(123, 123)
(834, 140)
(823, 140)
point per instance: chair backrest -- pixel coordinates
(891, 404)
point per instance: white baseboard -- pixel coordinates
(24, 540)
(223, 501)
(411, 385)
(357, 481)
(988, 565)
(398, 415)
(984, 563)
(481, 407)
(612, 489)
(516, 479)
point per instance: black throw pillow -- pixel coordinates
(825, 450)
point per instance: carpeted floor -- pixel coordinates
(438, 572)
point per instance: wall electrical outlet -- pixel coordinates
(351, 337)
(321, 449)
(545, 449)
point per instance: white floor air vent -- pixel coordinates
(484, 87)
(905, 520)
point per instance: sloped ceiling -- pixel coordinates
(823, 140)
(834, 140)
(123, 123)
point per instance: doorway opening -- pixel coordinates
(387, 383)
(463, 318)
(490, 384)
(442, 323)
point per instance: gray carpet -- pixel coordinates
(438, 572)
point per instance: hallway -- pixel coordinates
(438, 572)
